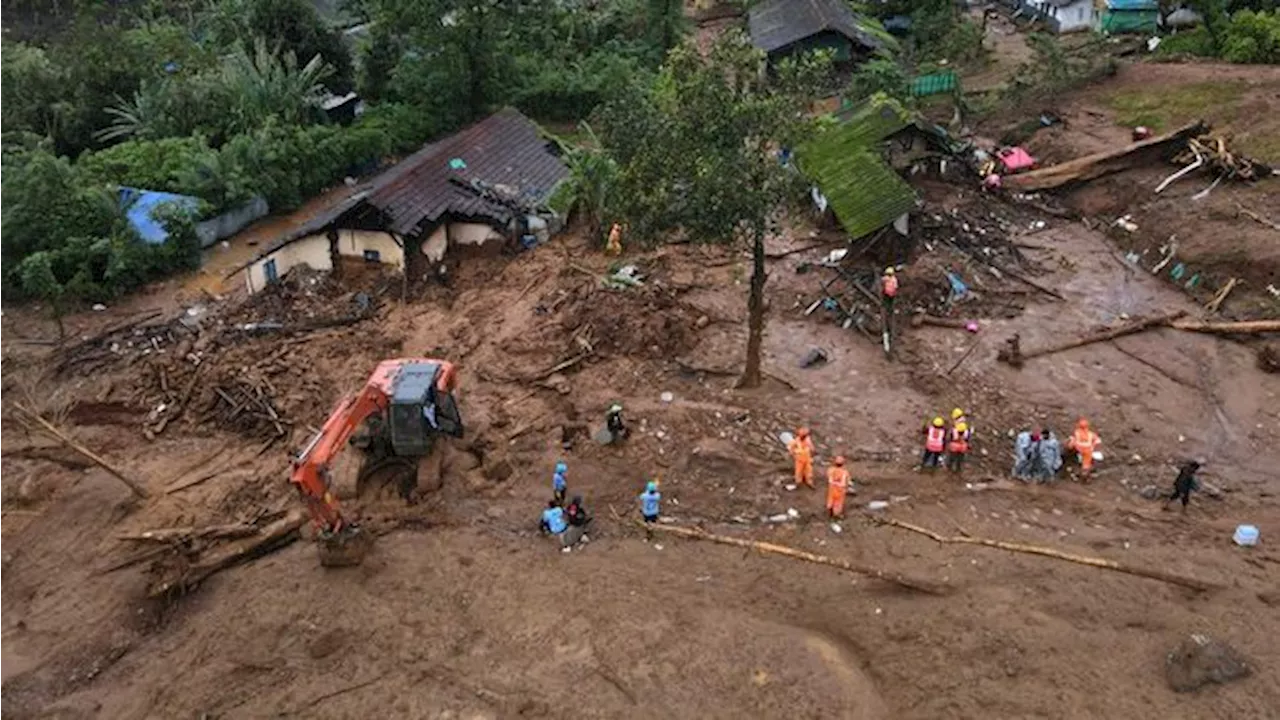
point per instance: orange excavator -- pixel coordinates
(394, 420)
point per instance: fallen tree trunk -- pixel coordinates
(928, 586)
(1097, 165)
(134, 485)
(271, 538)
(1175, 579)
(925, 319)
(165, 535)
(1136, 326)
(1248, 327)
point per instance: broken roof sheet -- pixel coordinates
(845, 163)
(483, 171)
(874, 119)
(777, 24)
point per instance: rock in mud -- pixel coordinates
(1199, 660)
(498, 470)
(326, 644)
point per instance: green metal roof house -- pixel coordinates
(846, 164)
(1130, 16)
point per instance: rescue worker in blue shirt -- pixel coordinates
(553, 520)
(650, 502)
(559, 483)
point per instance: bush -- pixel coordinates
(1252, 37)
(879, 75)
(557, 90)
(148, 164)
(1195, 41)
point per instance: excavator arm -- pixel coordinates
(311, 468)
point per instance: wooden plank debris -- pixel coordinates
(274, 536)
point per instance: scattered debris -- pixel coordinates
(1200, 660)
(1211, 151)
(189, 572)
(1097, 165)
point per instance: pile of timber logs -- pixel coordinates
(247, 406)
(182, 557)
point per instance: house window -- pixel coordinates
(372, 256)
(271, 271)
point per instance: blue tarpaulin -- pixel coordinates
(140, 205)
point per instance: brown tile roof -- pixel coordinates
(504, 150)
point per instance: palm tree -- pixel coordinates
(269, 82)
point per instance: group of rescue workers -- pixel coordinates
(1038, 457)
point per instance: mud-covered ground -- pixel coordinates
(463, 611)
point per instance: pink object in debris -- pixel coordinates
(971, 326)
(1015, 159)
(992, 182)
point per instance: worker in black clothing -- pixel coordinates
(613, 422)
(577, 513)
(1184, 483)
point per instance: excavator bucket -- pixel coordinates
(345, 548)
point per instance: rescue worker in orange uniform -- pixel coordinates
(957, 446)
(837, 487)
(888, 289)
(801, 449)
(1084, 441)
(958, 440)
(935, 443)
(614, 244)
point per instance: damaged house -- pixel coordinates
(480, 190)
(849, 166)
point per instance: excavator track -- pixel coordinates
(386, 477)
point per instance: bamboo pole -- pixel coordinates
(134, 485)
(928, 586)
(1184, 581)
(1248, 327)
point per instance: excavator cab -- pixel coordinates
(420, 410)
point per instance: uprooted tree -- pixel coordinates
(697, 153)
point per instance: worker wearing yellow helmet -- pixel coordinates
(888, 289)
(935, 440)
(957, 445)
(959, 416)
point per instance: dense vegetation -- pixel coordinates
(222, 100)
(1236, 31)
